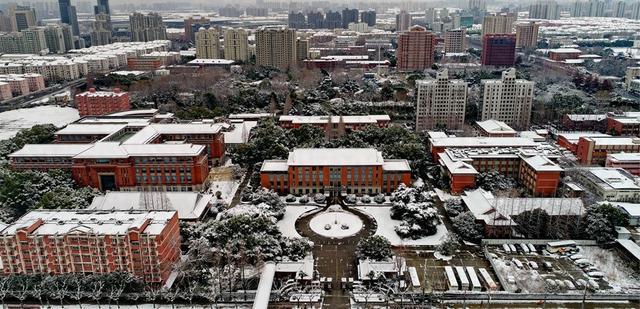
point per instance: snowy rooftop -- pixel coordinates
(483, 142)
(631, 247)
(250, 116)
(335, 157)
(544, 149)
(274, 166)
(50, 150)
(615, 140)
(91, 221)
(632, 209)
(91, 129)
(625, 156)
(396, 165)
(135, 112)
(189, 205)
(495, 127)
(93, 94)
(152, 131)
(334, 119)
(573, 137)
(612, 178)
(211, 62)
(541, 163)
(240, 132)
(457, 166)
(498, 211)
(365, 267)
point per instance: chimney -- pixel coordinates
(92, 90)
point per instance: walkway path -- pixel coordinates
(335, 258)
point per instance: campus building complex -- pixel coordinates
(594, 150)
(146, 244)
(120, 153)
(335, 126)
(350, 170)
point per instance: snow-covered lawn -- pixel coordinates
(339, 224)
(287, 225)
(386, 225)
(444, 196)
(13, 121)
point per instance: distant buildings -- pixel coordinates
(349, 16)
(207, 44)
(68, 15)
(101, 32)
(20, 84)
(368, 17)
(350, 170)
(498, 49)
(236, 44)
(591, 8)
(545, 9)
(619, 9)
(28, 41)
(302, 50)
(276, 47)
(146, 244)
(297, 20)
(502, 23)
(22, 17)
(416, 49)
(403, 21)
(145, 28)
(440, 103)
(191, 26)
(335, 126)
(632, 73)
(527, 35)
(508, 100)
(59, 38)
(96, 103)
(455, 41)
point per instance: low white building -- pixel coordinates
(611, 184)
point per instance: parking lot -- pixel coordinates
(427, 266)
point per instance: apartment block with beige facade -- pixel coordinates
(441, 103)
(207, 44)
(236, 44)
(276, 47)
(508, 100)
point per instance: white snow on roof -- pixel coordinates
(624, 156)
(334, 119)
(587, 117)
(633, 209)
(573, 137)
(541, 164)
(612, 178)
(615, 140)
(396, 165)
(457, 166)
(631, 247)
(335, 157)
(483, 142)
(240, 132)
(211, 62)
(495, 127)
(50, 150)
(189, 205)
(96, 222)
(90, 129)
(134, 112)
(274, 166)
(152, 131)
(365, 267)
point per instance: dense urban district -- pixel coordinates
(326, 154)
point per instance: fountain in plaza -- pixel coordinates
(335, 222)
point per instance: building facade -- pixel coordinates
(498, 50)
(207, 44)
(145, 28)
(594, 150)
(145, 244)
(276, 47)
(236, 45)
(527, 35)
(498, 24)
(508, 100)
(335, 126)
(544, 10)
(349, 170)
(441, 103)
(455, 41)
(95, 103)
(416, 49)
(368, 17)
(403, 21)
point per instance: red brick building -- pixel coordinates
(625, 126)
(584, 122)
(562, 54)
(569, 140)
(95, 103)
(499, 49)
(352, 170)
(144, 63)
(146, 244)
(630, 162)
(416, 49)
(594, 150)
(439, 144)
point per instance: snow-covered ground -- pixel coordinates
(443, 196)
(13, 121)
(386, 225)
(620, 277)
(287, 225)
(339, 224)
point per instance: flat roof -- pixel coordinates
(615, 140)
(623, 156)
(148, 133)
(483, 142)
(50, 150)
(457, 166)
(541, 163)
(397, 165)
(614, 178)
(631, 247)
(212, 61)
(91, 129)
(335, 119)
(189, 205)
(335, 157)
(495, 127)
(274, 166)
(60, 222)
(575, 136)
(114, 150)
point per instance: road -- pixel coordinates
(34, 97)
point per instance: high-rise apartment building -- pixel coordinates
(619, 9)
(635, 11)
(416, 49)
(143, 243)
(236, 45)
(548, 9)
(527, 35)
(297, 20)
(58, 38)
(508, 100)
(276, 47)
(302, 50)
(5, 22)
(455, 41)
(441, 103)
(192, 24)
(100, 30)
(498, 49)
(68, 15)
(591, 8)
(34, 40)
(349, 16)
(480, 5)
(22, 17)
(368, 17)
(502, 23)
(430, 16)
(315, 20)
(207, 44)
(332, 20)
(403, 21)
(146, 28)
